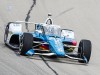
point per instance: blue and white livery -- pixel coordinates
(47, 39)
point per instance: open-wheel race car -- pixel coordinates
(47, 39)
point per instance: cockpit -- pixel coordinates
(52, 30)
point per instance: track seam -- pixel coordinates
(28, 14)
(49, 65)
(27, 19)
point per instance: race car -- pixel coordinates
(47, 39)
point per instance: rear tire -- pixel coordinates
(84, 50)
(6, 33)
(26, 43)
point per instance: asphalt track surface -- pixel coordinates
(83, 18)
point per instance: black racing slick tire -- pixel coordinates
(6, 33)
(84, 51)
(26, 43)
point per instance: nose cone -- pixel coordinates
(56, 46)
(60, 52)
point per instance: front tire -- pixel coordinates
(84, 50)
(26, 43)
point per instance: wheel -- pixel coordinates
(26, 43)
(6, 33)
(84, 51)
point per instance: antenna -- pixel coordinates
(49, 14)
